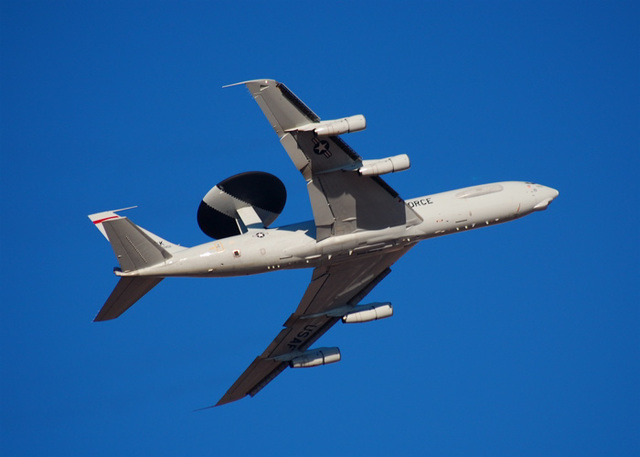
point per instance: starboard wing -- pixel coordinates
(332, 287)
(342, 200)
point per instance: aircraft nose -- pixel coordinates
(545, 196)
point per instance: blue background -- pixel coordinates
(520, 340)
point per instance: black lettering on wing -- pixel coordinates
(304, 333)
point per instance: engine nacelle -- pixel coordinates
(367, 313)
(316, 357)
(383, 166)
(336, 126)
(339, 126)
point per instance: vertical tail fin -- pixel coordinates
(100, 219)
(133, 248)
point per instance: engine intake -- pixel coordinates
(316, 357)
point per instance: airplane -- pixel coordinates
(360, 227)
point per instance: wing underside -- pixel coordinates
(331, 287)
(342, 201)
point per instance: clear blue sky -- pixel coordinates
(518, 340)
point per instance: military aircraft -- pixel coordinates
(361, 227)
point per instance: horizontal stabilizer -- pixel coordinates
(128, 291)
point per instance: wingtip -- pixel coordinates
(205, 408)
(220, 403)
(224, 401)
(234, 84)
(262, 80)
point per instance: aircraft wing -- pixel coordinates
(342, 200)
(334, 286)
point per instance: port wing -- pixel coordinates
(331, 287)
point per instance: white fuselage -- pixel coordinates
(295, 246)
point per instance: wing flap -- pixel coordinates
(258, 375)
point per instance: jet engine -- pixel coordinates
(254, 197)
(316, 357)
(383, 166)
(367, 313)
(335, 127)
